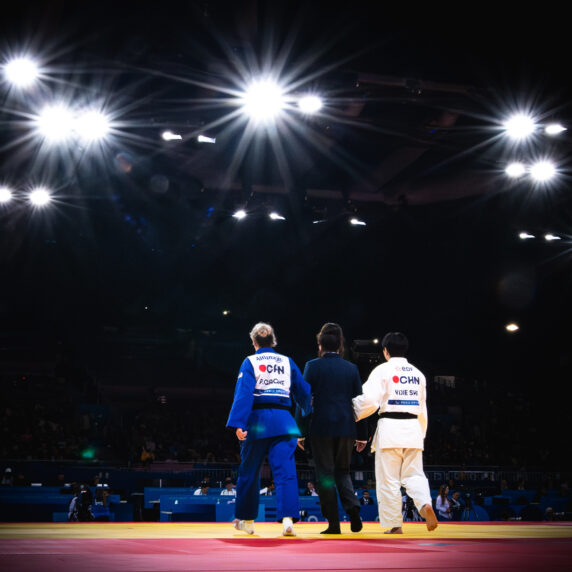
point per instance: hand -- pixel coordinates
(241, 434)
(301, 442)
(360, 446)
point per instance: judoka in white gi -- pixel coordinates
(397, 390)
(264, 426)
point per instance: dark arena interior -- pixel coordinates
(172, 173)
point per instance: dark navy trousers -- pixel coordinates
(280, 451)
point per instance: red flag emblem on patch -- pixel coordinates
(262, 367)
(395, 379)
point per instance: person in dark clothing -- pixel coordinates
(331, 429)
(80, 506)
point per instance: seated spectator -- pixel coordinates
(443, 503)
(366, 498)
(310, 490)
(269, 490)
(229, 489)
(147, 457)
(202, 490)
(7, 478)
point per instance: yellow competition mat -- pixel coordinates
(303, 530)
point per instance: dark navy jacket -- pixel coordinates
(334, 382)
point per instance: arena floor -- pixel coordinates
(170, 547)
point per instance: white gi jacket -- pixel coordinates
(395, 386)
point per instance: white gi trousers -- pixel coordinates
(394, 468)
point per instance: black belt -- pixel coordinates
(397, 415)
(270, 406)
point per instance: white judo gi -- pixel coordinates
(397, 388)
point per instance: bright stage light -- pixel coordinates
(21, 72)
(554, 129)
(56, 123)
(519, 126)
(40, 197)
(357, 222)
(515, 170)
(5, 195)
(310, 104)
(511, 327)
(263, 100)
(542, 171)
(240, 214)
(91, 126)
(170, 136)
(205, 139)
(525, 236)
(551, 237)
(276, 216)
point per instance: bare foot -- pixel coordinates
(429, 515)
(394, 530)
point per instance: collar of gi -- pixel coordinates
(265, 350)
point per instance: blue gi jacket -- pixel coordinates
(265, 379)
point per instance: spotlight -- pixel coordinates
(276, 216)
(357, 222)
(21, 72)
(525, 236)
(240, 214)
(543, 171)
(519, 126)
(515, 170)
(554, 129)
(225, 312)
(512, 327)
(40, 197)
(205, 139)
(91, 125)
(310, 104)
(170, 136)
(5, 195)
(551, 237)
(263, 100)
(56, 123)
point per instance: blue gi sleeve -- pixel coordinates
(300, 390)
(243, 397)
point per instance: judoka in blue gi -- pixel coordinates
(267, 382)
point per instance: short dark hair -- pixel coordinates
(396, 344)
(331, 338)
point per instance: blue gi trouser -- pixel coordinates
(280, 451)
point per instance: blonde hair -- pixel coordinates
(263, 335)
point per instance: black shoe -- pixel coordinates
(355, 521)
(331, 530)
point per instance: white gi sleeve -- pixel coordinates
(369, 401)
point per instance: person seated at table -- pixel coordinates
(310, 490)
(202, 490)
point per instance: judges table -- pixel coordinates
(182, 505)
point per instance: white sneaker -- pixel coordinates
(287, 527)
(245, 525)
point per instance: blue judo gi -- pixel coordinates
(266, 383)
